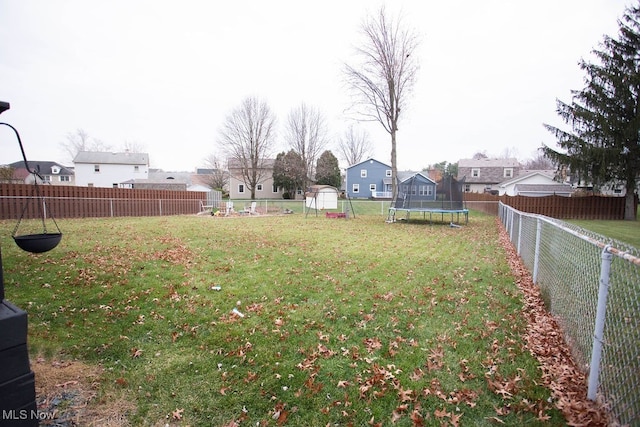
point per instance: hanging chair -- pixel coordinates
(45, 240)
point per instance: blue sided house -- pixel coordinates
(368, 179)
(416, 190)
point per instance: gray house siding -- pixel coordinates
(484, 174)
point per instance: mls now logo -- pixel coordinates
(24, 414)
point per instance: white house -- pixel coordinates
(534, 184)
(102, 169)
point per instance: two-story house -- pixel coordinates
(484, 174)
(51, 172)
(103, 169)
(368, 179)
(265, 189)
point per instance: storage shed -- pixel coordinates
(321, 197)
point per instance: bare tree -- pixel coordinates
(81, 141)
(247, 138)
(355, 146)
(6, 174)
(218, 177)
(540, 162)
(385, 75)
(306, 134)
(133, 147)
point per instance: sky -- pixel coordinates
(164, 75)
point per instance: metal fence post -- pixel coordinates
(519, 234)
(536, 255)
(596, 353)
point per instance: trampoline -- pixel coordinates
(420, 195)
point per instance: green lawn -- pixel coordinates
(623, 231)
(346, 322)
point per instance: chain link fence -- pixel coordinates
(591, 284)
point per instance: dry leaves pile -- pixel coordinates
(66, 392)
(545, 341)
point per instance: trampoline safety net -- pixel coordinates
(418, 193)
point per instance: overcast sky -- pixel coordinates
(164, 74)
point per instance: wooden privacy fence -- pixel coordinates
(588, 207)
(83, 202)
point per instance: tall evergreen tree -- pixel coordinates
(604, 142)
(328, 170)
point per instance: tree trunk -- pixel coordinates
(394, 167)
(630, 206)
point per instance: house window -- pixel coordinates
(47, 178)
(467, 188)
(240, 188)
(425, 190)
(475, 173)
(363, 173)
(114, 185)
(413, 190)
(372, 187)
(356, 188)
(508, 172)
(96, 168)
(259, 187)
(274, 188)
(136, 169)
(64, 178)
(387, 173)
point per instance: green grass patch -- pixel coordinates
(624, 231)
(345, 322)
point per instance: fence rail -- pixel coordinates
(31, 202)
(588, 207)
(591, 284)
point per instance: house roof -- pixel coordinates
(45, 167)
(100, 157)
(184, 177)
(486, 162)
(420, 176)
(525, 176)
(236, 164)
(369, 160)
(491, 170)
(544, 188)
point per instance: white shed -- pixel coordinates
(322, 197)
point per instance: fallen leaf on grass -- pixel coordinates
(177, 414)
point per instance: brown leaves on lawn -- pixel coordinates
(68, 389)
(545, 341)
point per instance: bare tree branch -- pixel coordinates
(247, 138)
(218, 179)
(306, 134)
(81, 141)
(385, 75)
(355, 146)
